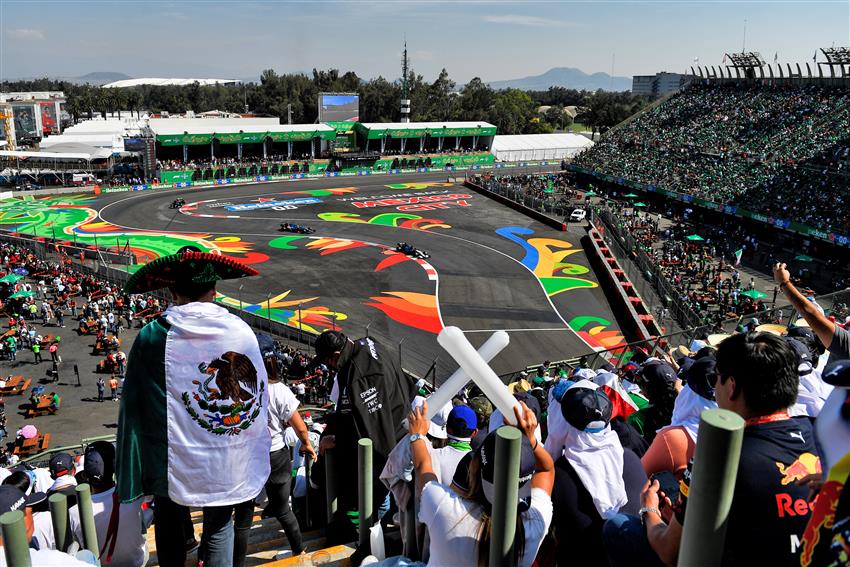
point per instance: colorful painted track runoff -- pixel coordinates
(490, 268)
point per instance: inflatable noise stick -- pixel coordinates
(456, 344)
(444, 394)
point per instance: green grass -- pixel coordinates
(579, 127)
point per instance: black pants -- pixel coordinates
(278, 489)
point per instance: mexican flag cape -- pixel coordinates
(193, 422)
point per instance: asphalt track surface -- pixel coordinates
(485, 281)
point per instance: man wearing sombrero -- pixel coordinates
(192, 425)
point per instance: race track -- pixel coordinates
(490, 267)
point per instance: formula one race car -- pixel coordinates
(288, 227)
(177, 203)
(411, 251)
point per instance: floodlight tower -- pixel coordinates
(405, 95)
(837, 58)
(746, 63)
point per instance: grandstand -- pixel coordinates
(775, 153)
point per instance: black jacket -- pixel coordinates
(375, 392)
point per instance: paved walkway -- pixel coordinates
(80, 414)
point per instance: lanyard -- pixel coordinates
(778, 416)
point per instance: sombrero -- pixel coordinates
(774, 329)
(188, 265)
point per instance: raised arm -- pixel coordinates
(820, 325)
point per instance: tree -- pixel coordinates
(474, 102)
(512, 111)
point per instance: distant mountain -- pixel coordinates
(100, 78)
(567, 77)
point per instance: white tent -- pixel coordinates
(535, 147)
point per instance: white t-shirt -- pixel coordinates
(130, 542)
(43, 530)
(48, 558)
(282, 404)
(444, 461)
(454, 525)
(43, 480)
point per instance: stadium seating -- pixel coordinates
(775, 150)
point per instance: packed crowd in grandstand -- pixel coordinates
(781, 151)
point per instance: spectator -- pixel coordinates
(372, 396)
(11, 499)
(825, 538)
(101, 388)
(673, 446)
(176, 456)
(283, 411)
(461, 427)
(661, 386)
(458, 517)
(113, 387)
(595, 477)
(757, 379)
(123, 541)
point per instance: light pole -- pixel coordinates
(240, 300)
(300, 337)
(269, 310)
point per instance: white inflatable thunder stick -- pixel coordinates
(453, 341)
(443, 395)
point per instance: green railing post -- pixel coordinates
(505, 496)
(308, 471)
(718, 452)
(59, 516)
(330, 485)
(87, 518)
(364, 492)
(15, 544)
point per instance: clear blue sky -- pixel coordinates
(492, 40)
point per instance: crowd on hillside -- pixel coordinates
(782, 151)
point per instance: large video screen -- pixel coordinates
(339, 107)
(25, 120)
(134, 144)
(49, 124)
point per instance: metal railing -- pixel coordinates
(557, 205)
(647, 277)
(835, 304)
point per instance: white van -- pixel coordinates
(578, 215)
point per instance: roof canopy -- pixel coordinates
(198, 131)
(58, 156)
(523, 147)
(162, 82)
(376, 130)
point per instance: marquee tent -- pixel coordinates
(535, 147)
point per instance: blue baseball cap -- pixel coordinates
(462, 420)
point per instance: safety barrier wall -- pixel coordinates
(519, 207)
(643, 324)
(267, 179)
